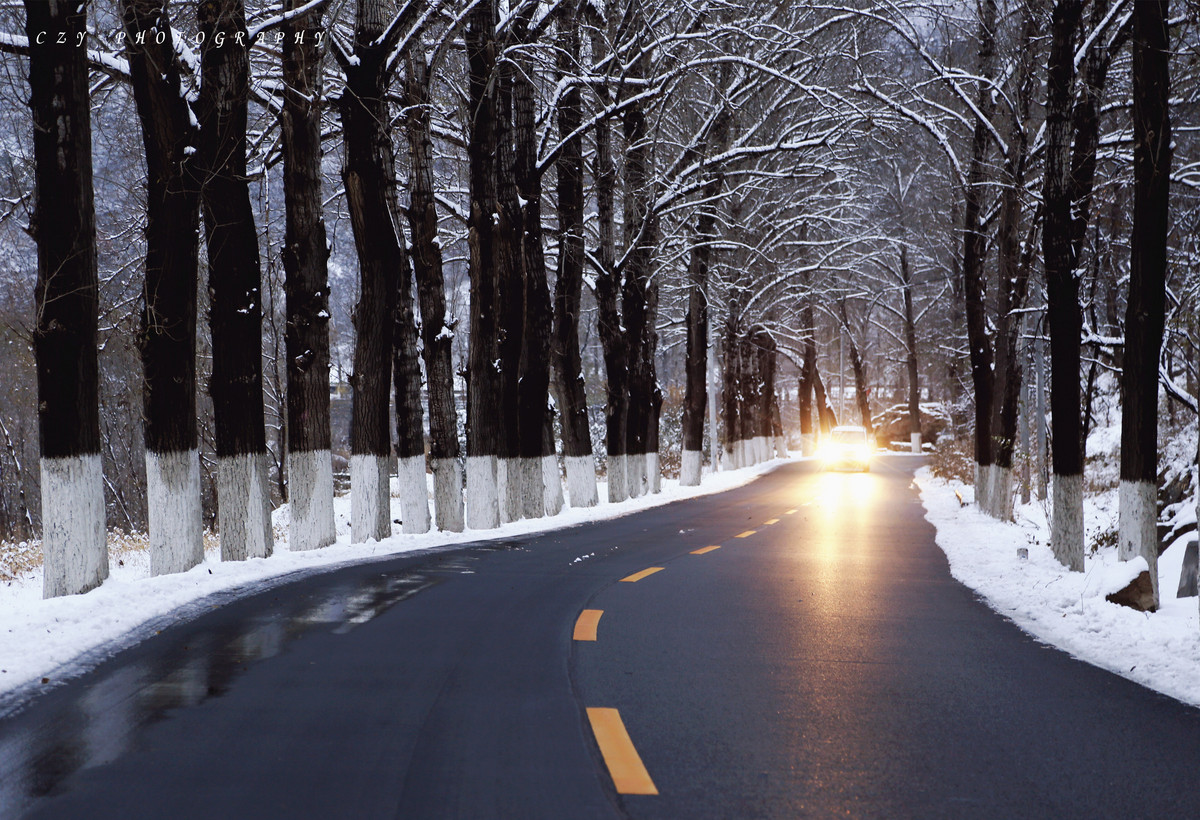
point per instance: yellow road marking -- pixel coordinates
(624, 765)
(745, 534)
(637, 576)
(790, 512)
(772, 521)
(703, 550)
(585, 627)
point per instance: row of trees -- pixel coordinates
(537, 84)
(561, 206)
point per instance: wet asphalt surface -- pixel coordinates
(823, 665)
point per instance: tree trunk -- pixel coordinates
(66, 299)
(1063, 292)
(640, 239)
(306, 285)
(696, 363)
(167, 336)
(534, 378)
(437, 331)
(510, 270)
(572, 398)
(368, 174)
(406, 372)
(974, 252)
(234, 280)
(910, 343)
(1147, 286)
(483, 379)
(613, 341)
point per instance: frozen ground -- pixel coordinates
(1159, 650)
(45, 641)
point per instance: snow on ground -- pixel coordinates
(46, 641)
(1159, 650)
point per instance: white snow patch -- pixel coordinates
(1160, 650)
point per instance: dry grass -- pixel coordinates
(953, 460)
(19, 558)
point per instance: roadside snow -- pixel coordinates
(1067, 610)
(46, 641)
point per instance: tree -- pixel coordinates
(568, 365)
(305, 258)
(483, 379)
(1144, 314)
(383, 318)
(168, 324)
(235, 282)
(64, 228)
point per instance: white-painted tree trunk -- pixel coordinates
(618, 476)
(653, 473)
(914, 440)
(781, 448)
(635, 475)
(370, 499)
(244, 507)
(74, 548)
(414, 495)
(310, 500)
(173, 511)
(1066, 524)
(483, 500)
(1000, 495)
(808, 444)
(982, 485)
(552, 498)
(690, 468)
(508, 482)
(448, 494)
(533, 487)
(1137, 533)
(581, 481)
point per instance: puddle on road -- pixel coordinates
(41, 747)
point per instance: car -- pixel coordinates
(848, 447)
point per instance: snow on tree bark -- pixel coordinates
(1064, 315)
(167, 336)
(305, 257)
(66, 297)
(568, 364)
(436, 333)
(368, 174)
(1144, 314)
(483, 382)
(234, 281)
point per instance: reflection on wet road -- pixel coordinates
(96, 723)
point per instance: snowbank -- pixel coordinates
(1067, 610)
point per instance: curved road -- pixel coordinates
(793, 648)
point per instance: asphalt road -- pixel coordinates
(819, 662)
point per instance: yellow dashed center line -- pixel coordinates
(624, 764)
(770, 522)
(790, 512)
(585, 627)
(703, 550)
(745, 534)
(637, 576)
